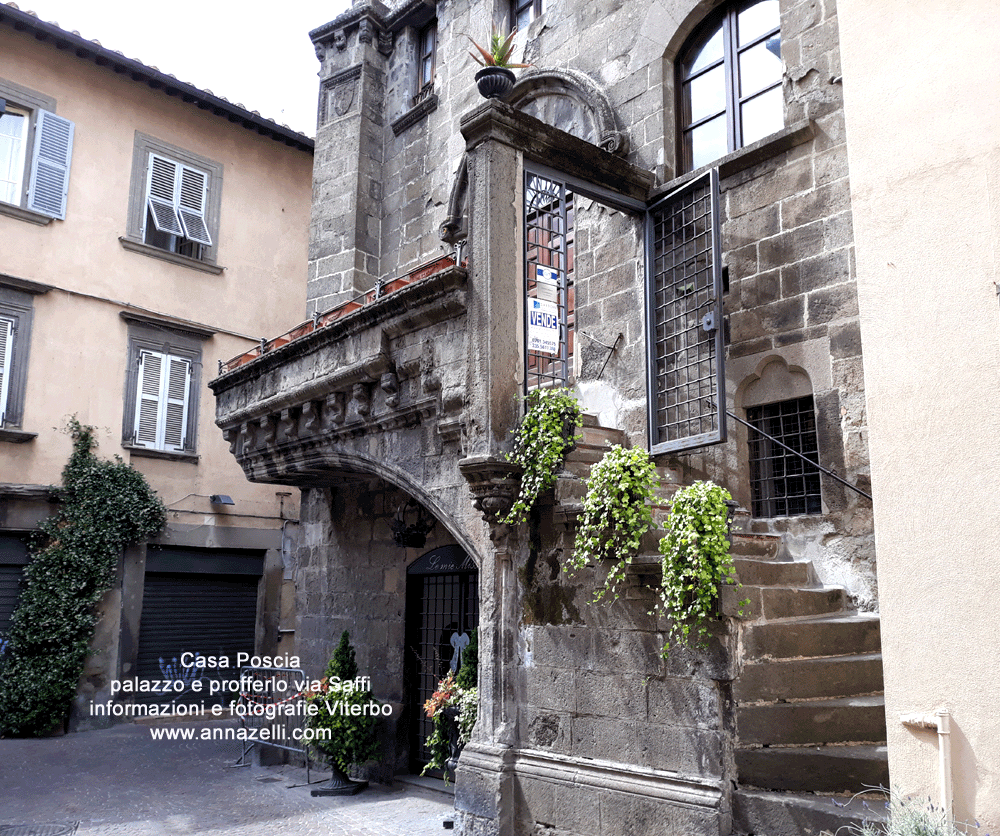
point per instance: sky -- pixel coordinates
(251, 53)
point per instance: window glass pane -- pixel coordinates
(762, 115)
(707, 142)
(13, 128)
(759, 68)
(707, 55)
(757, 20)
(706, 95)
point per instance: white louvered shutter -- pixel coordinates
(162, 400)
(147, 398)
(176, 401)
(161, 194)
(50, 165)
(193, 200)
(6, 352)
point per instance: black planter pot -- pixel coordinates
(494, 82)
(340, 784)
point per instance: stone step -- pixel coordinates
(792, 814)
(814, 769)
(836, 635)
(780, 602)
(800, 679)
(842, 720)
(598, 436)
(746, 544)
(756, 572)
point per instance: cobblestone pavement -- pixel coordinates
(121, 782)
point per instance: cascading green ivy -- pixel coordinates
(541, 442)
(695, 561)
(616, 513)
(106, 506)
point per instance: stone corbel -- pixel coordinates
(494, 485)
(334, 410)
(232, 436)
(266, 430)
(366, 31)
(340, 40)
(287, 426)
(386, 42)
(245, 438)
(309, 421)
(361, 398)
(390, 385)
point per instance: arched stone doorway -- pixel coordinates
(442, 610)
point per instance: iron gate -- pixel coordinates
(442, 607)
(548, 280)
(687, 389)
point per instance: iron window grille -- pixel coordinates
(729, 82)
(548, 276)
(687, 389)
(782, 484)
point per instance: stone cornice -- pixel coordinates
(549, 146)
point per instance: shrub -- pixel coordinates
(106, 506)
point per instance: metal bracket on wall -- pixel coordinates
(610, 348)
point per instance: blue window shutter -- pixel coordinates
(50, 165)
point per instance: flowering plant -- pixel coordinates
(460, 693)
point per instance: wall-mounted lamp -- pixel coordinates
(221, 499)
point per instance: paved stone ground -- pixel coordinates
(120, 782)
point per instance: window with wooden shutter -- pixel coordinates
(176, 199)
(163, 391)
(6, 352)
(50, 161)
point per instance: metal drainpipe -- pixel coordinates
(940, 720)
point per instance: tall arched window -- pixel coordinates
(729, 77)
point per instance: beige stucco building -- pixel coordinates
(146, 227)
(923, 131)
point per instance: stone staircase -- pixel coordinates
(808, 702)
(810, 713)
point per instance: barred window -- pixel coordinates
(783, 484)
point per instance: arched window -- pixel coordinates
(729, 77)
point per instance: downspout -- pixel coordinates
(940, 720)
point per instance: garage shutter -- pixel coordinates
(210, 615)
(13, 558)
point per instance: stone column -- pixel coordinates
(484, 794)
(344, 241)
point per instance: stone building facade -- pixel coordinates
(437, 220)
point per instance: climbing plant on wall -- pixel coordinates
(541, 442)
(106, 505)
(616, 513)
(695, 561)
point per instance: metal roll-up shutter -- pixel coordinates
(13, 559)
(201, 613)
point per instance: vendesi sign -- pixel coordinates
(543, 313)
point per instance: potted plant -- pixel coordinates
(495, 79)
(342, 736)
(454, 707)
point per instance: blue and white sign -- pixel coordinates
(543, 326)
(547, 284)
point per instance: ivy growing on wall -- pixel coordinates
(695, 560)
(616, 513)
(106, 505)
(541, 442)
